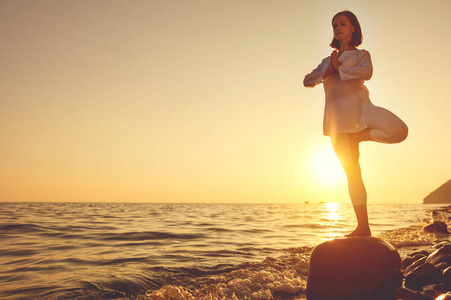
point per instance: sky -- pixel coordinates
(203, 101)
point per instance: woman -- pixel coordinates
(349, 116)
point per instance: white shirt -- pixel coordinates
(346, 95)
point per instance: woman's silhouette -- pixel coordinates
(349, 115)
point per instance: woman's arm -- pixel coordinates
(362, 71)
(317, 75)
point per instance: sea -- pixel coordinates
(180, 251)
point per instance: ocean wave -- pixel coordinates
(22, 228)
(416, 235)
(148, 235)
(279, 277)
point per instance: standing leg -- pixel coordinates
(346, 147)
(363, 227)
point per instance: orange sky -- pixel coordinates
(202, 101)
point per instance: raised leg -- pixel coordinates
(383, 126)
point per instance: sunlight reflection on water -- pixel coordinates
(332, 211)
(332, 215)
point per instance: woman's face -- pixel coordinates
(343, 29)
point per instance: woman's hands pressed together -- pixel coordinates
(334, 64)
(334, 60)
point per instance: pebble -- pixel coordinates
(415, 264)
(441, 255)
(430, 294)
(437, 226)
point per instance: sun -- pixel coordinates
(327, 167)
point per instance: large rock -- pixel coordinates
(353, 269)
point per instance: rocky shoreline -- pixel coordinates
(427, 269)
(427, 275)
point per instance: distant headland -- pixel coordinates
(440, 195)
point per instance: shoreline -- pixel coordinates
(284, 277)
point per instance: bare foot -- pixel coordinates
(360, 232)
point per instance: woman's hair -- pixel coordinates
(356, 38)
